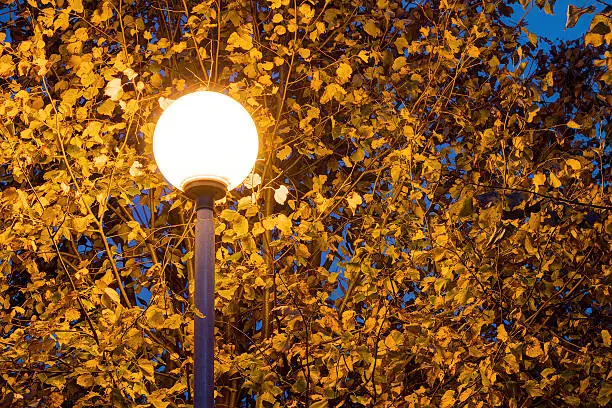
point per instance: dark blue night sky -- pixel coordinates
(553, 26)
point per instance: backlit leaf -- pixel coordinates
(280, 194)
(114, 89)
(448, 399)
(113, 295)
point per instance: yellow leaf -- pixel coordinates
(539, 179)
(57, 381)
(332, 91)
(240, 225)
(284, 224)
(284, 153)
(448, 399)
(156, 399)
(112, 293)
(304, 53)
(364, 55)
(494, 62)
(258, 229)
(502, 335)
(532, 114)
(396, 171)
(554, 181)
(465, 394)
(267, 65)
(574, 164)
(549, 79)
(605, 335)
(593, 39)
(265, 80)
(173, 322)
(106, 108)
(393, 340)
(354, 200)
(155, 317)
(252, 180)
(268, 223)
(398, 63)
(76, 5)
(533, 38)
(280, 194)
(533, 349)
(573, 125)
(164, 102)
(239, 40)
(135, 169)
(6, 66)
(147, 367)
(307, 12)
(85, 380)
(371, 28)
(130, 73)
(114, 89)
(72, 314)
(278, 17)
(473, 51)
(533, 388)
(344, 72)
(133, 338)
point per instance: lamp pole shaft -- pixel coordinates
(204, 342)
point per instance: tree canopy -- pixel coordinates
(428, 224)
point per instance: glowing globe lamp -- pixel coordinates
(205, 143)
(205, 136)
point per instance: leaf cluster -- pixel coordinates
(429, 223)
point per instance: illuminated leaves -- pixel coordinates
(539, 179)
(306, 12)
(155, 317)
(284, 153)
(241, 40)
(574, 164)
(605, 336)
(332, 91)
(344, 72)
(304, 53)
(427, 173)
(240, 225)
(354, 200)
(114, 89)
(473, 51)
(252, 180)
(371, 28)
(164, 102)
(85, 380)
(135, 169)
(113, 295)
(533, 348)
(6, 66)
(76, 5)
(106, 108)
(280, 194)
(448, 399)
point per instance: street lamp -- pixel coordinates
(205, 143)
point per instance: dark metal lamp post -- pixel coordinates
(205, 143)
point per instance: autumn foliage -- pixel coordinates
(429, 223)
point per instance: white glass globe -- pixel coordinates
(205, 136)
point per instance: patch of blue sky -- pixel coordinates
(552, 26)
